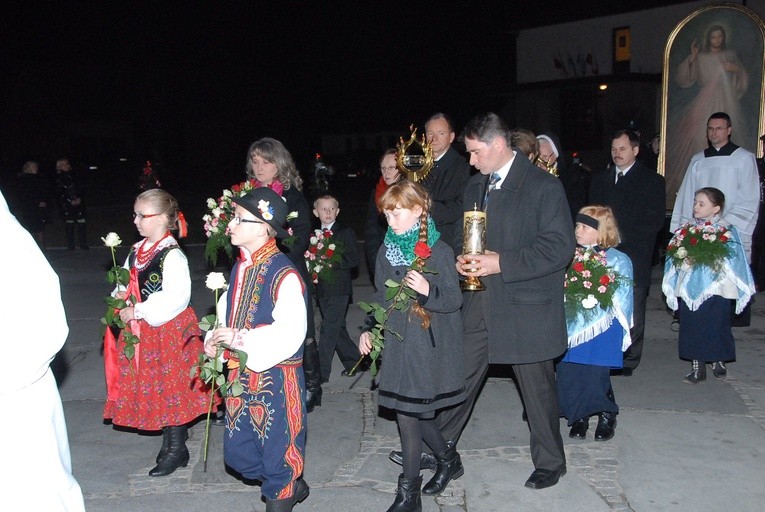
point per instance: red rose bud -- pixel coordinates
(312, 249)
(422, 250)
(723, 238)
(604, 280)
(578, 266)
(330, 252)
(694, 241)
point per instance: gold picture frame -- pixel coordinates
(700, 78)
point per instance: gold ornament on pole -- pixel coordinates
(473, 242)
(414, 157)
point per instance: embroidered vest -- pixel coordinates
(259, 285)
(150, 276)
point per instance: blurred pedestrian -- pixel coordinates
(32, 196)
(36, 468)
(70, 203)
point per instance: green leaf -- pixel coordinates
(237, 388)
(365, 307)
(380, 316)
(129, 351)
(390, 293)
(390, 283)
(207, 323)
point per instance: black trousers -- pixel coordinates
(536, 382)
(333, 335)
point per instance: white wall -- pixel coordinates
(537, 48)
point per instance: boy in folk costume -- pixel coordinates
(264, 312)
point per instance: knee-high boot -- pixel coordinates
(408, 497)
(177, 454)
(312, 372)
(448, 466)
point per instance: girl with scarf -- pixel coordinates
(153, 390)
(422, 368)
(705, 294)
(598, 337)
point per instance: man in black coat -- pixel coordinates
(446, 181)
(334, 295)
(637, 196)
(519, 319)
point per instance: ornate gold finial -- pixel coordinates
(414, 165)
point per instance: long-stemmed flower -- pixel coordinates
(210, 369)
(401, 297)
(118, 276)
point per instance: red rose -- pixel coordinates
(723, 238)
(422, 250)
(604, 280)
(330, 252)
(694, 241)
(683, 232)
(578, 266)
(312, 249)
(235, 188)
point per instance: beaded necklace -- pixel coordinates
(142, 257)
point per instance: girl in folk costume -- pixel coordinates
(597, 337)
(704, 308)
(422, 371)
(272, 166)
(153, 389)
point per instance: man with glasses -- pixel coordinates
(446, 181)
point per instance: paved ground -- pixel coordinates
(678, 447)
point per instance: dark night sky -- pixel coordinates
(292, 70)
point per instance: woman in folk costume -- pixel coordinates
(36, 468)
(597, 338)
(153, 389)
(705, 294)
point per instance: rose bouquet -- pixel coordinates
(704, 244)
(221, 211)
(403, 298)
(590, 282)
(323, 256)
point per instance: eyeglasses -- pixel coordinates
(239, 220)
(390, 168)
(141, 216)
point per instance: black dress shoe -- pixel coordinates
(579, 429)
(543, 478)
(606, 426)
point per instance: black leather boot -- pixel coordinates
(177, 455)
(312, 372)
(166, 443)
(606, 425)
(408, 497)
(448, 466)
(286, 504)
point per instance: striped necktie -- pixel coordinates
(492, 185)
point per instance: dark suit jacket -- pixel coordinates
(529, 225)
(342, 284)
(639, 204)
(446, 185)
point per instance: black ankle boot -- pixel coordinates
(312, 372)
(698, 372)
(408, 497)
(448, 466)
(166, 443)
(177, 455)
(286, 504)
